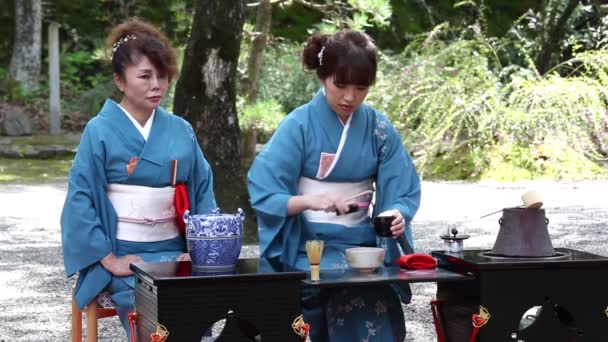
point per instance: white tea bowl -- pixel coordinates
(365, 259)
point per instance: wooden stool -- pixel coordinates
(93, 312)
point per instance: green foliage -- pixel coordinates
(464, 116)
(572, 109)
(370, 13)
(353, 14)
(460, 163)
(11, 90)
(87, 24)
(283, 79)
(7, 31)
(292, 22)
(464, 92)
(295, 21)
(262, 116)
(82, 70)
(447, 95)
(553, 159)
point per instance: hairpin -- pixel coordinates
(121, 41)
(320, 56)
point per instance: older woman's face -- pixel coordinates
(143, 86)
(344, 98)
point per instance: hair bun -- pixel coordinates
(312, 50)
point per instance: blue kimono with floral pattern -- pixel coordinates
(88, 220)
(372, 150)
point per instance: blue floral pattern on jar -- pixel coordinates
(214, 240)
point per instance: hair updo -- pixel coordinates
(350, 56)
(133, 39)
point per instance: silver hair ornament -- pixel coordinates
(121, 41)
(320, 56)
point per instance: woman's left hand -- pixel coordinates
(398, 224)
(183, 257)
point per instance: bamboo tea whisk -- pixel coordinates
(314, 250)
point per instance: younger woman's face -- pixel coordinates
(344, 98)
(143, 87)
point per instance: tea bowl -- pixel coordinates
(365, 259)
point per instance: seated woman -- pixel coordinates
(322, 154)
(120, 203)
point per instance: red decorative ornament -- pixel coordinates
(181, 205)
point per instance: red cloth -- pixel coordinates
(181, 205)
(183, 269)
(417, 261)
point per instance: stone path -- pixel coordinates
(35, 295)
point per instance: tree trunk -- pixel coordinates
(205, 93)
(25, 61)
(256, 50)
(553, 36)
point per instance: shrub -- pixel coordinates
(464, 116)
(263, 117)
(282, 78)
(445, 99)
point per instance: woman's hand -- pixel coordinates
(398, 224)
(321, 201)
(183, 257)
(119, 266)
(327, 202)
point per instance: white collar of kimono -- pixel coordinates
(340, 146)
(145, 130)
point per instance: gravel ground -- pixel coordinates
(35, 294)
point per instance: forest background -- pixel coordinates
(478, 89)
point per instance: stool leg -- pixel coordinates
(92, 321)
(76, 322)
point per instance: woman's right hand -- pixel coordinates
(327, 202)
(322, 201)
(119, 266)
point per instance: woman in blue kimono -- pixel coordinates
(324, 153)
(120, 203)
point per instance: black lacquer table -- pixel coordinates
(259, 294)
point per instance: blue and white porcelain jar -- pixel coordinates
(214, 240)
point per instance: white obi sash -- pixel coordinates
(145, 214)
(309, 186)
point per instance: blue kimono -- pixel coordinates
(89, 221)
(372, 150)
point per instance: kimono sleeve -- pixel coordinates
(397, 182)
(85, 238)
(272, 181)
(200, 182)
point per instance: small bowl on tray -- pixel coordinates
(365, 259)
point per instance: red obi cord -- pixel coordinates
(181, 205)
